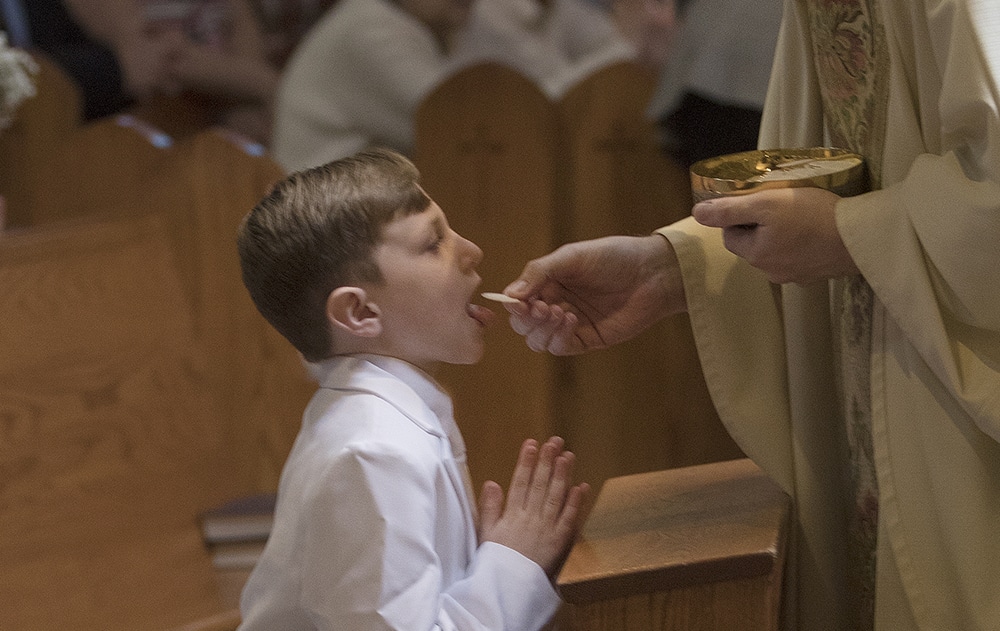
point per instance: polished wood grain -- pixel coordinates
(138, 387)
(210, 181)
(698, 547)
(112, 443)
(101, 167)
(228, 620)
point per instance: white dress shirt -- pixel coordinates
(375, 526)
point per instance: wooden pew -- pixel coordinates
(102, 166)
(209, 182)
(642, 405)
(138, 387)
(113, 442)
(700, 547)
(42, 123)
(226, 621)
(485, 142)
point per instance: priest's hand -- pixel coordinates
(790, 233)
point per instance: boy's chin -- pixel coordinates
(472, 356)
(457, 359)
(469, 360)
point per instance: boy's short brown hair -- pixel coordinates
(316, 231)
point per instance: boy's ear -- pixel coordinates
(348, 309)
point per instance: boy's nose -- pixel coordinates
(472, 253)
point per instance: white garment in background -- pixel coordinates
(354, 81)
(723, 52)
(555, 46)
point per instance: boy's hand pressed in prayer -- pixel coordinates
(542, 515)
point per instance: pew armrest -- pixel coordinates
(687, 541)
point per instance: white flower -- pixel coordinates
(16, 68)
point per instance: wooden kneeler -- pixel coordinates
(699, 547)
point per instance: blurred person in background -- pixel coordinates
(358, 76)
(710, 95)
(556, 43)
(127, 52)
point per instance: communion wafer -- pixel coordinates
(498, 297)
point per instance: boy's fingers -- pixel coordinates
(523, 470)
(541, 478)
(562, 473)
(574, 501)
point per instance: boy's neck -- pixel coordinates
(430, 368)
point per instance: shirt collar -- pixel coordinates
(422, 384)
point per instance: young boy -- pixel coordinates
(375, 525)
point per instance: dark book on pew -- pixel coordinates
(247, 518)
(236, 555)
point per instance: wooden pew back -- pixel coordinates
(101, 167)
(138, 387)
(112, 441)
(209, 182)
(699, 547)
(484, 146)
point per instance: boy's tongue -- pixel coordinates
(480, 313)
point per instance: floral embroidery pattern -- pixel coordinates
(852, 308)
(852, 63)
(851, 57)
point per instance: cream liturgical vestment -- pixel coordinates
(915, 86)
